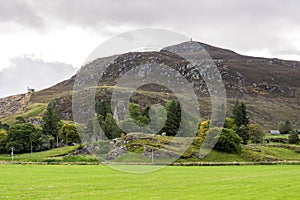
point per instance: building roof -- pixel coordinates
(274, 132)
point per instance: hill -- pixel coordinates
(270, 87)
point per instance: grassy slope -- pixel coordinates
(100, 182)
(40, 156)
(259, 153)
(281, 153)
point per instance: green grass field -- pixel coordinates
(101, 182)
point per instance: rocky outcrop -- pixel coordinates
(149, 146)
(34, 121)
(13, 104)
(117, 149)
(150, 152)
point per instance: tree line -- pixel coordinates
(25, 137)
(237, 129)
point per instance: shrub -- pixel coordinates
(203, 127)
(256, 133)
(293, 137)
(228, 141)
(285, 128)
(69, 134)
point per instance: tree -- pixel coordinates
(51, 123)
(293, 137)
(134, 111)
(20, 137)
(241, 120)
(103, 108)
(69, 134)
(145, 117)
(3, 136)
(285, 128)
(173, 118)
(230, 123)
(228, 140)
(239, 114)
(243, 132)
(256, 133)
(111, 128)
(38, 141)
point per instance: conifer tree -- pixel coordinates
(51, 123)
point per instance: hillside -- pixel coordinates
(270, 87)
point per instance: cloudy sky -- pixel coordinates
(48, 40)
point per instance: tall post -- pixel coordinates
(56, 140)
(152, 157)
(12, 153)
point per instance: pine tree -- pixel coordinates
(111, 128)
(103, 108)
(243, 132)
(239, 114)
(51, 123)
(173, 118)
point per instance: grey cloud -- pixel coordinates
(235, 24)
(26, 71)
(190, 12)
(19, 12)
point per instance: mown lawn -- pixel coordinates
(101, 182)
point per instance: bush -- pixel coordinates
(69, 134)
(285, 128)
(293, 137)
(228, 141)
(203, 128)
(256, 133)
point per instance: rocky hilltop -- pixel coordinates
(271, 87)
